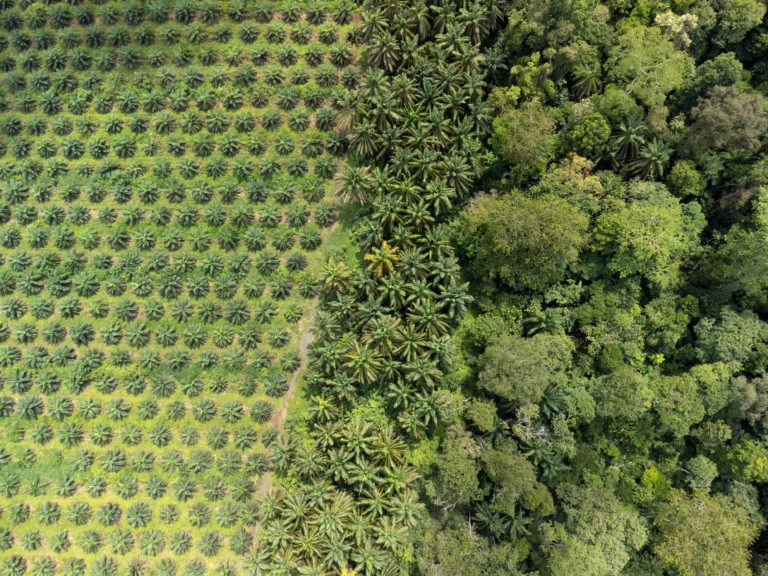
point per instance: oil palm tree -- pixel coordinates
(322, 409)
(355, 184)
(381, 333)
(364, 138)
(475, 19)
(394, 289)
(382, 259)
(362, 363)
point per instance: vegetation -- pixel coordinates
(539, 332)
(166, 195)
(611, 367)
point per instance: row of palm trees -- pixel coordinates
(384, 324)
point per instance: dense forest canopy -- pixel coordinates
(612, 365)
(599, 408)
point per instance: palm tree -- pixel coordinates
(389, 448)
(492, 520)
(443, 14)
(629, 138)
(391, 369)
(335, 554)
(418, 216)
(326, 326)
(343, 388)
(357, 437)
(440, 196)
(336, 275)
(277, 534)
(385, 108)
(322, 409)
(385, 214)
(455, 298)
(355, 184)
(413, 264)
(452, 40)
(428, 319)
(652, 160)
(394, 289)
(424, 373)
(411, 423)
(400, 393)
(476, 20)
(257, 563)
(373, 502)
(368, 560)
(400, 478)
(294, 508)
(381, 333)
(410, 343)
(281, 454)
(362, 362)
(308, 543)
(382, 260)
(458, 173)
(587, 78)
(389, 533)
(339, 462)
(368, 310)
(15, 565)
(374, 22)
(364, 138)
(330, 519)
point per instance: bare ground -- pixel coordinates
(264, 485)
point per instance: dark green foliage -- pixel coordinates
(618, 324)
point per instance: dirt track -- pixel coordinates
(278, 416)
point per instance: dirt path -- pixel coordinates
(277, 421)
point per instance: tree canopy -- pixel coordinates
(525, 242)
(702, 535)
